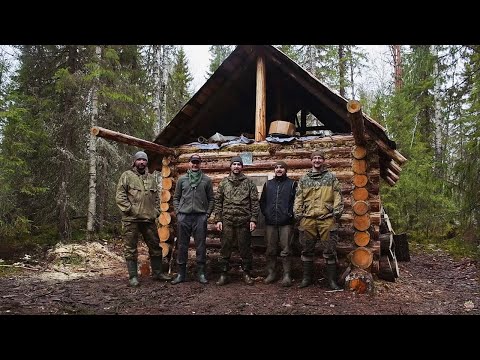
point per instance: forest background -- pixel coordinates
(58, 182)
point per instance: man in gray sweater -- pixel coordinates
(193, 202)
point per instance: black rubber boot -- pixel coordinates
(332, 276)
(157, 271)
(271, 267)
(201, 274)
(223, 279)
(287, 269)
(182, 272)
(307, 274)
(132, 272)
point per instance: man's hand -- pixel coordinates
(253, 226)
(219, 226)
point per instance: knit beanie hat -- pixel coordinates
(318, 153)
(140, 155)
(282, 164)
(236, 159)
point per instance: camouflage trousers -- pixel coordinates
(312, 230)
(236, 236)
(131, 232)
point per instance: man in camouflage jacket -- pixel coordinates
(137, 198)
(236, 213)
(318, 205)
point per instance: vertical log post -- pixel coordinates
(261, 101)
(356, 121)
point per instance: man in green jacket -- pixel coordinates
(236, 214)
(193, 202)
(318, 205)
(137, 199)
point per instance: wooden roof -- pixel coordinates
(226, 102)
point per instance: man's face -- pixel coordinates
(141, 164)
(279, 170)
(236, 167)
(195, 165)
(317, 161)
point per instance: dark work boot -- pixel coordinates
(271, 267)
(307, 274)
(132, 272)
(223, 279)
(332, 276)
(201, 274)
(246, 277)
(182, 271)
(157, 271)
(287, 269)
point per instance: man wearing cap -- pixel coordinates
(236, 213)
(318, 205)
(137, 198)
(276, 203)
(193, 202)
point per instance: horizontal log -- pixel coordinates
(394, 154)
(166, 171)
(361, 238)
(361, 257)
(273, 153)
(167, 183)
(130, 140)
(165, 196)
(359, 166)
(392, 175)
(360, 180)
(359, 152)
(164, 233)
(164, 218)
(360, 281)
(265, 165)
(164, 206)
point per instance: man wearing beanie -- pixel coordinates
(193, 202)
(318, 205)
(276, 203)
(236, 213)
(137, 199)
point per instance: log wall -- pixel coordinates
(354, 167)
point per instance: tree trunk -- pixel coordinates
(92, 153)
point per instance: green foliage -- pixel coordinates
(178, 88)
(218, 53)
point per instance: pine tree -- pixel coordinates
(178, 89)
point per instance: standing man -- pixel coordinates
(193, 202)
(137, 198)
(236, 213)
(276, 203)
(318, 205)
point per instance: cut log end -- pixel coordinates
(353, 106)
(361, 258)
(95, 130)
(360, 281)
(361, 238)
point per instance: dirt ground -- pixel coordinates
(92, 279)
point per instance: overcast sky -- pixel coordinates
(199, 60)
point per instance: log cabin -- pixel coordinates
(263, 106)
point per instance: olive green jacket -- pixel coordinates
(137, 196)
(318, 196)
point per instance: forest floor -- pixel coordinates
(92, 279)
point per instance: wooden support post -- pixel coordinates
(261, 101)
